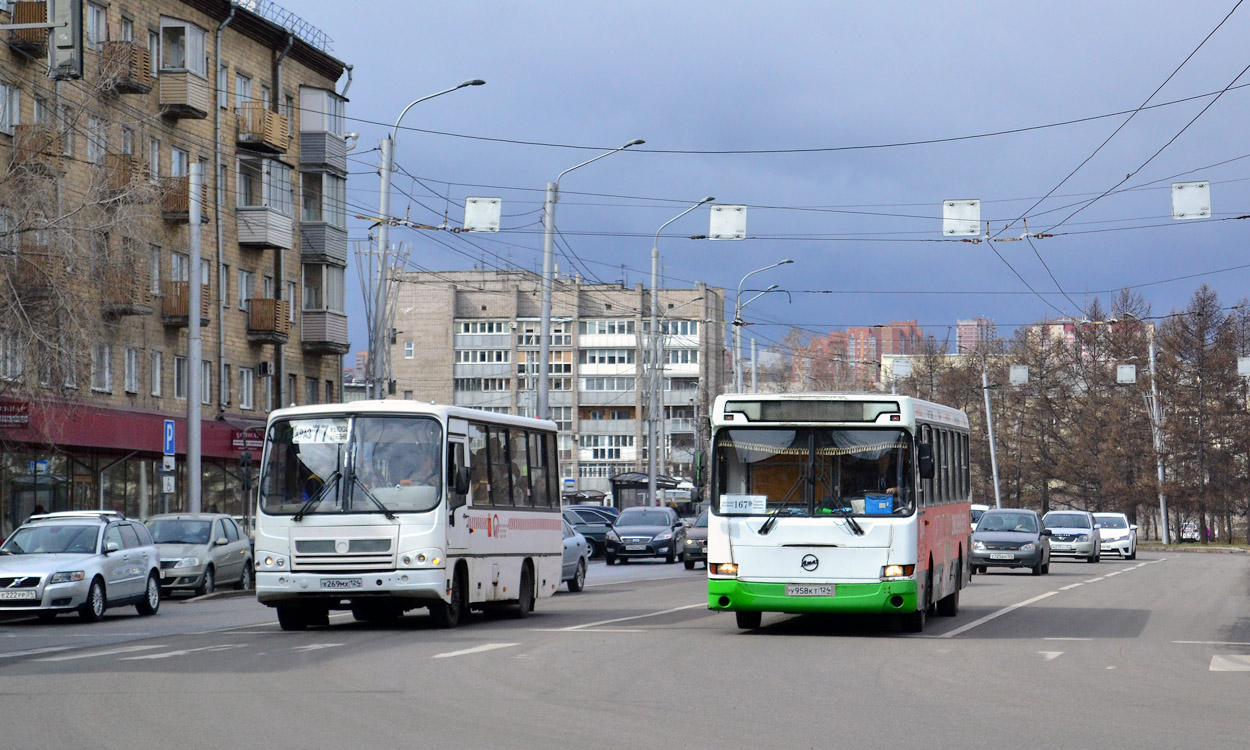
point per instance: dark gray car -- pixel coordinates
(645, 532)
(1011, 538)
(589, 524)
(695, 548)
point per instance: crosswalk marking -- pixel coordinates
(1234, 663)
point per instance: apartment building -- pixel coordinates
(472, 338)
(95, 231)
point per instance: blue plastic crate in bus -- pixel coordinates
(879, 505)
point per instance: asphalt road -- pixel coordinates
(1152, 653)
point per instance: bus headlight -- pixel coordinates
(724, 569)
(898, 571)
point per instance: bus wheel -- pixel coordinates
(749, 620)
(913, 622)
(448, 614)
(525, 603)
(291, 617)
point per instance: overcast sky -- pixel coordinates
(775, 76)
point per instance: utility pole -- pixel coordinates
(379, 342)
(1157, 434)
(195, 292)
(989, 426)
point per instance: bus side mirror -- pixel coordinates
(924, 457)
(700, 469)
(462, 480)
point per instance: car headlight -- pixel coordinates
(1028, 547)
(663, 536)
(1080, 537)
(67, 576)
(187, 562)
(978, 545)
(612, 535)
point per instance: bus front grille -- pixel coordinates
(345, 562)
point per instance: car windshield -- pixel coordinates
(58, 539)
(642, 518)
(177, 531)
(1066, 521)
(352, 465)
(701, 521)
(1112, 522)
(1025, 523)
(809, 471)
(976, 514)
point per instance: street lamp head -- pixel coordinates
(635, 142)
(787, 260)
(771, 287)
(474, 82)
(708, 199)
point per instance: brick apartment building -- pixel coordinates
(94, 235)
(472, 338)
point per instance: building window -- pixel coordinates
(95, 140)
(223, 291)
(181, 267)
(97, 26)
(132, 371)
(324, 198)
(179, 162)
(321, 111)
(225, 385)
(408, 350)
(607, 384)
(182, 47)
(329, 391)
(247, 285)
(289, 107)
(156, 373)
(67, 126)
(311, 393)
(206, 382)
(264, 183)
(40, 111)
(324, 288)
(242, 90)
(128, 141)
(154, 159)
(11, 365)
(483, 327)
(101, 374)
(247, 388)
(180, 378)
(223, 182)
(8, 235)
(127, 29)
(223, 78)
(10, 108)
(154, 52)
(605, 327)
(290, 298)
(290, 388)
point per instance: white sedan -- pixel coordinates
(1117, 534)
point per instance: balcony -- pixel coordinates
(268, 321)
(323, 332)
(176, 304)
(37, 149)
(176, 199)
(35, 279)
(325, 150)
(322, 243)
(125, 179)
(184, 95)
(125, 68)
(33, 42)
(261, 129)
(607, 426)
(124, 292)
(261, 227)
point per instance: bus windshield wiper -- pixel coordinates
(372, 497)
(849, 515)
(332, 480)
(771, 521)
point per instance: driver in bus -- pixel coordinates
(425, 468)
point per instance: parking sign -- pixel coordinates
(169, 437)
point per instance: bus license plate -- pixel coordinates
(31, 594)
(798, 589)
(1002, 556)
(341, 583)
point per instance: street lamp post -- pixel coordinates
(379, 342)
(657, 412)
(738, 305)
(549, 226)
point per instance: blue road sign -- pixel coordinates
(169, 437)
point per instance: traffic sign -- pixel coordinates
(168, 481)
(168, 464)
(169, 437)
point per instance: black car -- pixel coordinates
(1011, 538)
(645, 532)
(589, 524)
(695, 548)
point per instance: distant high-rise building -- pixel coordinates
(850, 358)
(972, 333)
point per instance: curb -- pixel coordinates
(1197, 548)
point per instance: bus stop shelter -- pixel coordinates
(631, 489)
(584, 497)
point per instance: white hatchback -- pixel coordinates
(1117, 534)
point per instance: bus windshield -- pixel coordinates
(365, 464)
(813, 471)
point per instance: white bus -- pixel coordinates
(829, 502)
(380, 507)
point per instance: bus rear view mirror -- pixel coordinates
(462, 480)
(924, 457)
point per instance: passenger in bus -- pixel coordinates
(425, 468)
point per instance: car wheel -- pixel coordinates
(1046, 568)
(448, 614)
(689, 564)
(1132, 555)
(671, 557)
(292, 617)
(749, 620)
(206, 585)
(92, 610)
(591, 550)
(1036, 569)
(247, 580)
(151, 597)
(609, 559)
(578, 581)
(525, 602)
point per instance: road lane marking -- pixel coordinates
(999, 613)
(316, 646)
(34, 651)
(1213, 643)
(1094, 580)
(1230, 664)
(635, 617)
(596, 630)
(184, 652)
(108, 652)
(1051, 655)
(475, 650)
(1071, 586)
(1058, 638)
(1118, 572)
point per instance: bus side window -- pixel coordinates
(926, 485)
(518, 453)
(540, 474)
(500, 467)
(479, 465)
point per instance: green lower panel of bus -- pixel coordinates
(746, 596)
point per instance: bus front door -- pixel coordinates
(457, 503)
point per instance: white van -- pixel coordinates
(977, 510)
